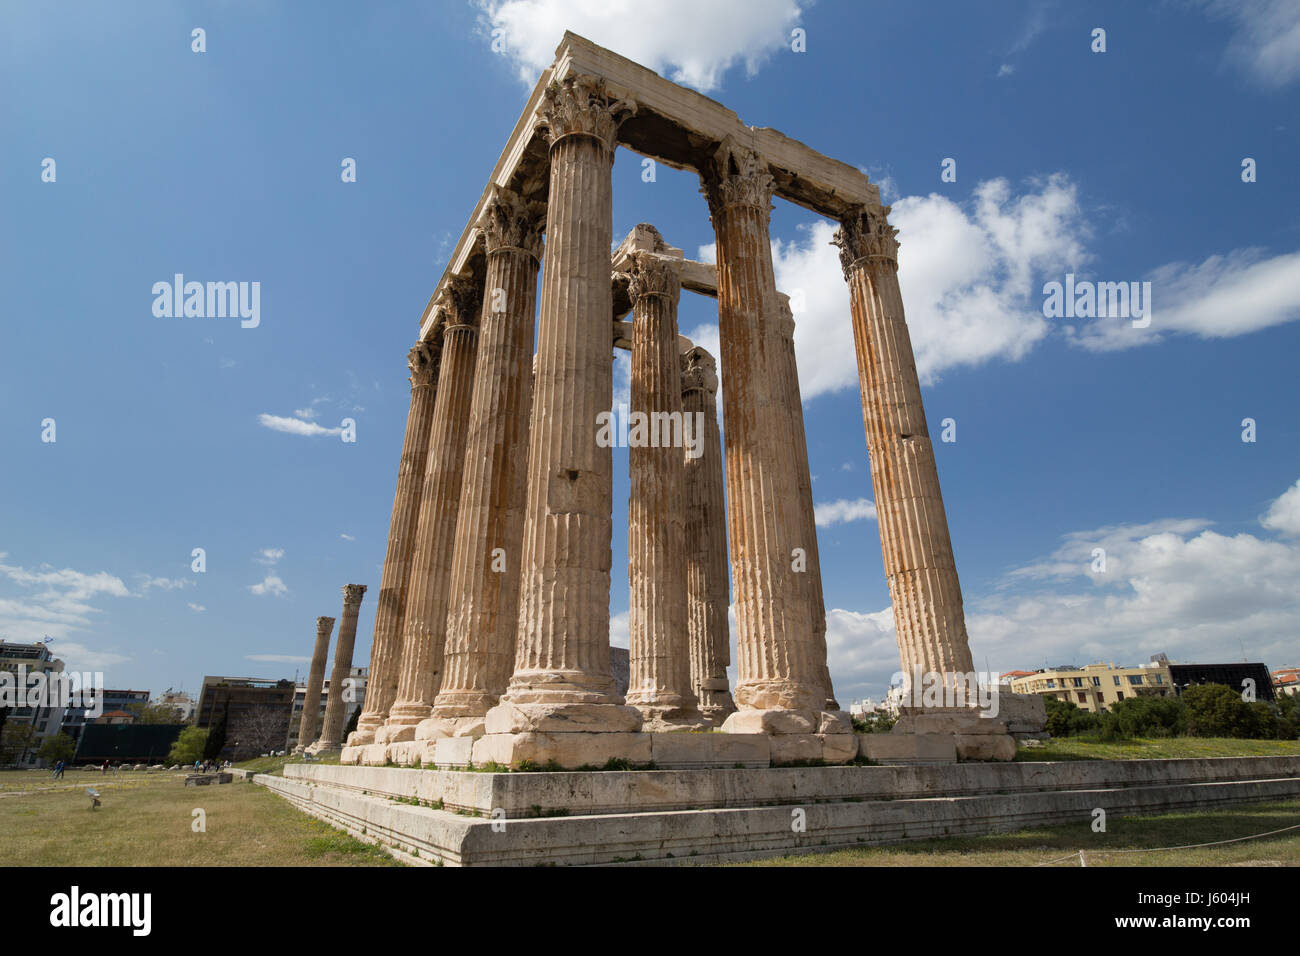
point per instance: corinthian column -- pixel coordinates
(484, 597)
(310, 726)
(786, 389)
(708, 593)
(780, 684)
(659, 682)
(425, 623)
(561, 678)
(331, 734)
(909, 508)
(386, 647)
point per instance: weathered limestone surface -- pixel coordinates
(708, 590)
(659, 645)
(777, 666)
(484, 589)
(331, 735)
(914, 537)
(562, 656)
(309, 729)
(425, 621)
(804, 531)
(386, 647)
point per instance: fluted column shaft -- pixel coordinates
(786, 390)
(386, 647)
(562, 655)
(777, 666)
(484, 601)
(331, 734)
(659, 682)
(425, 622)
(914, 540)
(708, 592)
(309, 728)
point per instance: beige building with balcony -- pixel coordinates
(1095, 687)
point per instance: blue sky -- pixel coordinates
(1123, 165)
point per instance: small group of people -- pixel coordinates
(57, 772)
(209, 766)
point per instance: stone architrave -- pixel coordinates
(331, 734)
(386, 647)
(561, 678)
(780, 686)
(786, 386)
(917, 551)
(309, 729)
(484, 589)
(659, 682)
(425, 622)
(708, 591)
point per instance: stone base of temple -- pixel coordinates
(321, 748)
(570, 751)
(974, 736)
(392, 733)
(779, 722)
(359, 738)
(517, 717)
(703, 816)
(436, 727)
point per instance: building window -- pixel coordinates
(1096, 682)
(1119, 694)
(1116, 680)
(1083, 698)
(1078, 681)
(1135, 678)
(1160, 678)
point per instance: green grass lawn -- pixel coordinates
(1140, 834)
(276, 765)
(1078, 748)
(146, 820)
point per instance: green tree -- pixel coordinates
(189, 746)
(217, 737)
(56, 748)
(1149, 717)
(156, 713)
(352, 723)
(15, 739)
(1214, 710)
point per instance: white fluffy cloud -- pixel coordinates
(968, 276)
(1266, 43)
(838, 512)
(689, 42)
(271, 584)
(1284, 514)
(55, 603)
(295, 426)
(1226, 295)
(1172, 586)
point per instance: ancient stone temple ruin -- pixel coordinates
(491, 640)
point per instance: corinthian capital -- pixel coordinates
(324, 625)
(580, 105)
(352, 593)
(509, 222)
(699, 371)
(865, 235)
(460, 300)
(649, 274)
(738, 177)
(422, 360)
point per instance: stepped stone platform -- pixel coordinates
(471, 818)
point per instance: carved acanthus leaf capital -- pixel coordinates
(866, 236)
(738, 177)
(580, 105)
(460, 300)
(509, 222)
(422, 360)
(324, 625)
(649, 274)
(352, 593)
(699, 371)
